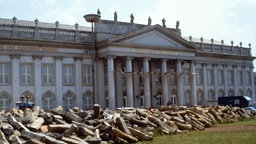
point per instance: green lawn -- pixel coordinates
(245, 136)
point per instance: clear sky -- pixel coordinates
(218, 19)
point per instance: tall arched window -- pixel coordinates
(187, 97)
(69, 100)
(240, 92)
(87, 100)
(4, 101)
(200, 96)
(221, 93)
(31, 98)
(231, 92)
(124, 99)
(211, 95)
(106, 98)
(48, 100)
(249, 92)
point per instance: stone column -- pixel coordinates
(58, 80)
(193, 83)
(38, 82)
(147, 97)
(215, 76)
(111, 84)
(129, 82)
(244, 79)
(205, 82)
(119, 84)
(225, 67)
(164, 83)
(101, 83)
(235, 79)
(252, 83)
(78, 82)
(179, 83)
(15, 78)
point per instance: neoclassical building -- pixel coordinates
(134, 65)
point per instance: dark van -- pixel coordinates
(235, 101)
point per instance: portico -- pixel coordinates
(151, 50)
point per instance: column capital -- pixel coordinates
(107, 57)
(192, 62)
(12, 56)
(164, 59)
(147, 58)
(204, 64)
(215, 65)
(78, 58)
(129, 58)
(225, 65)
(58, 58)
(34, 57)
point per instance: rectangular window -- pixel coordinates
(173, 80)
(105, 75)
(141, 76)
(198, 77)
(26, 74)
(142, 101)
(158, 77)
(209, 77)
(68, 75)
(230, 77)
(47, 74)
(239, 78)
(87, 74)
(4, 73)
(124, 77)
(220, 77)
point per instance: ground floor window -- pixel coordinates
(87, 100)
(4, 102)
(49, 101)
(142, 101)
(69, 100)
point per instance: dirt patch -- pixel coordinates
(231, 128)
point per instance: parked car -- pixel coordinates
(250, 108)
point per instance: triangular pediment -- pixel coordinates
(153, 36)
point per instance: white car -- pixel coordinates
(249, 108)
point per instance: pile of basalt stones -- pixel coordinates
(98, 126)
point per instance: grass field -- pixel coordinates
(234, 133)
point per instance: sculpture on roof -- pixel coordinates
(132, 18)
(163, 21)
(149, 21)
(98, 12)
(177, 24)
(115, 16)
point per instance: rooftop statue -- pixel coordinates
(177, 24)
(115, 16)
(163, 21)
(98, 12)
(132, 18)
(149, 21)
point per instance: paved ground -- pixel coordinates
(230, 128)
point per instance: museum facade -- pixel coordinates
(124, 65)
